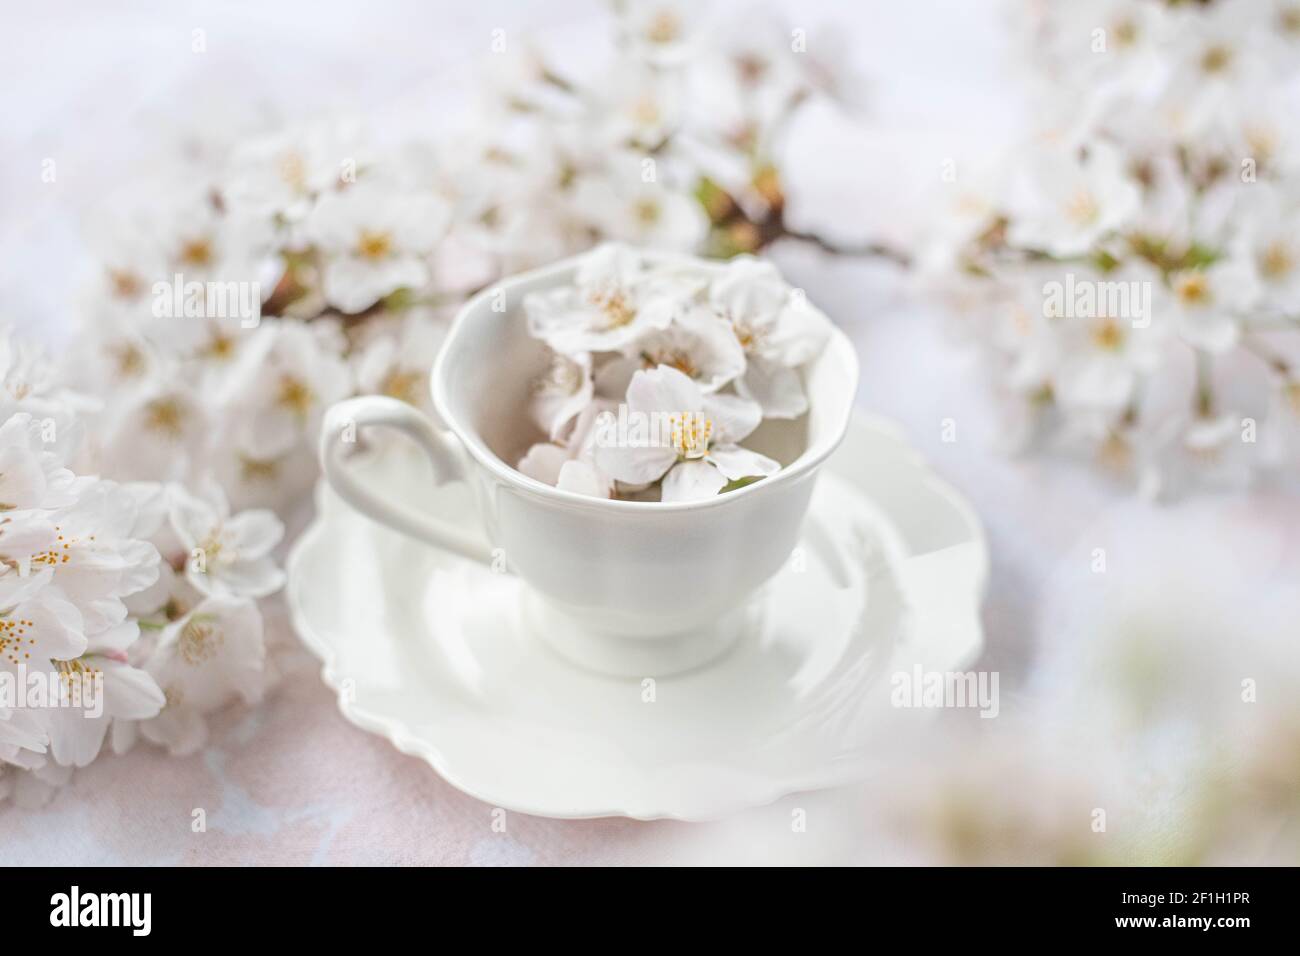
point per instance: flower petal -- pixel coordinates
(733, 417)
(735, 462)
(664, 389)
(636, 466)
(692, 481)
(779, 391)
(580, 477)
(543, 462)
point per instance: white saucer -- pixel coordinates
(426, 649)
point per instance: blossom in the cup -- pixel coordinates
(552, 464)
(1063, 201)
(225, 554)
(778, 331)
(611, 303)
(569, 463)
(374, 240)
(698, 343)
(692, 438)
(563, 390)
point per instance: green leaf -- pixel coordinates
(740, 483)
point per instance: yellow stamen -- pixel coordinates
(295, 396)
(1193, 289)
(1108, 335)
(690, 434)
(165, 415)
(374, 245)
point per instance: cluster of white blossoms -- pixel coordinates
(1133, 272)
(659, 367)
(127, 610)
(278, 275)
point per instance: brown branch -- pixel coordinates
(871, 250)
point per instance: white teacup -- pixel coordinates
(635, 588)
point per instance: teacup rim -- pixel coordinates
(810, 459)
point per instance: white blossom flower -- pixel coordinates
(374, 240)
(229, 555)
(279, 177)
(561, 392)
(395, 356)
(202, 241)
(30, 383)
(660, 32)
(1105, 354)
(96, 560)
(32, 473)
(72, 553)
(1268, 240)
(778, 330)
(637, 107)
(1207, 303)
(290, 373)
(23, 740)
(1063, 202)
(569, 463)
(203, 661)
(623, 206)
(697, 343)
(752, 79)
(157, 430)
(39, 623)
(696, 453)
(612, 302)
(1215, 61)
(128, 693)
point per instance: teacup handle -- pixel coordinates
(345, 421)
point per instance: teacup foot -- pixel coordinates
(620, 655)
